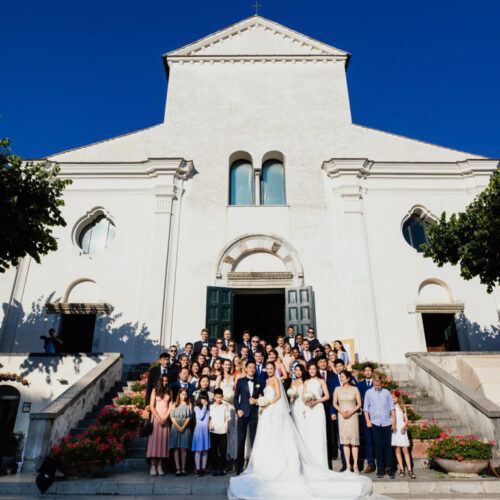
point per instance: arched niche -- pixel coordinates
(259, 261)
(82, 291)
(434, 291)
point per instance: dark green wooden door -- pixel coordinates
(300, 312)
(220, 304)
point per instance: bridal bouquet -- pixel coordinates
(293, 393)
(309, 396)
(228, 395)
(262, 402)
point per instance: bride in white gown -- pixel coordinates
(281, 466)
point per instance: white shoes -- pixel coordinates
(160, 471)
(152, 471)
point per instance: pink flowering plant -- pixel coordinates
(73, 450)
(424, 432)
(125, 417)
(460, 447)
(137, 399)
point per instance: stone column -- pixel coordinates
(345, 185)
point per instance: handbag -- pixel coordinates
(148, 428)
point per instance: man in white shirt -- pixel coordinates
(219, 418)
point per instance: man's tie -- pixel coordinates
(369, 383)
(323, 376)
(163, 371)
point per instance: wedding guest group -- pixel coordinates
(204, 404)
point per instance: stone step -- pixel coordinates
(429, 485)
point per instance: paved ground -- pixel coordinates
(139, 485)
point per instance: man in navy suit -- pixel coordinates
(364, 386)
(248, 389)
(260, 367)
(333, 383)
(246, 340)
(182, 383)
(290, 338)
(204, 341)
(245, 354)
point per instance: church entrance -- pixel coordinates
(260, 311)
(266, 312)
(440, 332)
(77, 332)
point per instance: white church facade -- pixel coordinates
(256, 204)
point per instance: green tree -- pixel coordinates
(471, 238)
(30, 201)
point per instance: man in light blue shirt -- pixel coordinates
(380, 416)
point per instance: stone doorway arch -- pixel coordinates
(259, 261)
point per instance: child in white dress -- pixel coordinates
(400, 436)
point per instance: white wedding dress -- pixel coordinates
(282, 467)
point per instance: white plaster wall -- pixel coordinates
(120, 273)
(44, 374)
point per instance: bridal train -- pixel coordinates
(281, 465)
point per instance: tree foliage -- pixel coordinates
(30, 206)
(471, 238)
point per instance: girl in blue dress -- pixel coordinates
(201, 434)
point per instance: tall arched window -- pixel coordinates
(414, 232)
(241, 183)
(272, 185)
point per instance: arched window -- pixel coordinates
(414, 232)
(241, 183)
(272, 183)
(9, 402)
(97, 236)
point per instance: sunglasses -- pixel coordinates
(219, 342)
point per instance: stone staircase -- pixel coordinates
(429, 408)
(135, 460)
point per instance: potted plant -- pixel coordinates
(415, 418)
(421, 437)
(127, 417)
(86, 454)
(460, 454)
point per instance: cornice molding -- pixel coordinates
(364, 168)
(255, 59)
(179, 168)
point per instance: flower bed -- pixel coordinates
(137, 399)
(126, 417)
(86, 454)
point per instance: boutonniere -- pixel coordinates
(257, 386)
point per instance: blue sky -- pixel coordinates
(74, 72)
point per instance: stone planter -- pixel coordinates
(419, 448)
(462, 466)
(87, 468)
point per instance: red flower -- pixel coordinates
(442, 452)
(459, 458)
(450, 431)
(462, 443)
(57, 449)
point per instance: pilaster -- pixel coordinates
(345, 177)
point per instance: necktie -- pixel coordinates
(369, 383)
(163, 371)
(323, 375)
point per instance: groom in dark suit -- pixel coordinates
(248, 389)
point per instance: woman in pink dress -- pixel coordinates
(160, 405)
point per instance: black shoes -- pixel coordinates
(380, 474)
(343, 468)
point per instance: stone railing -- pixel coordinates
(478, 413)
(70, 407)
